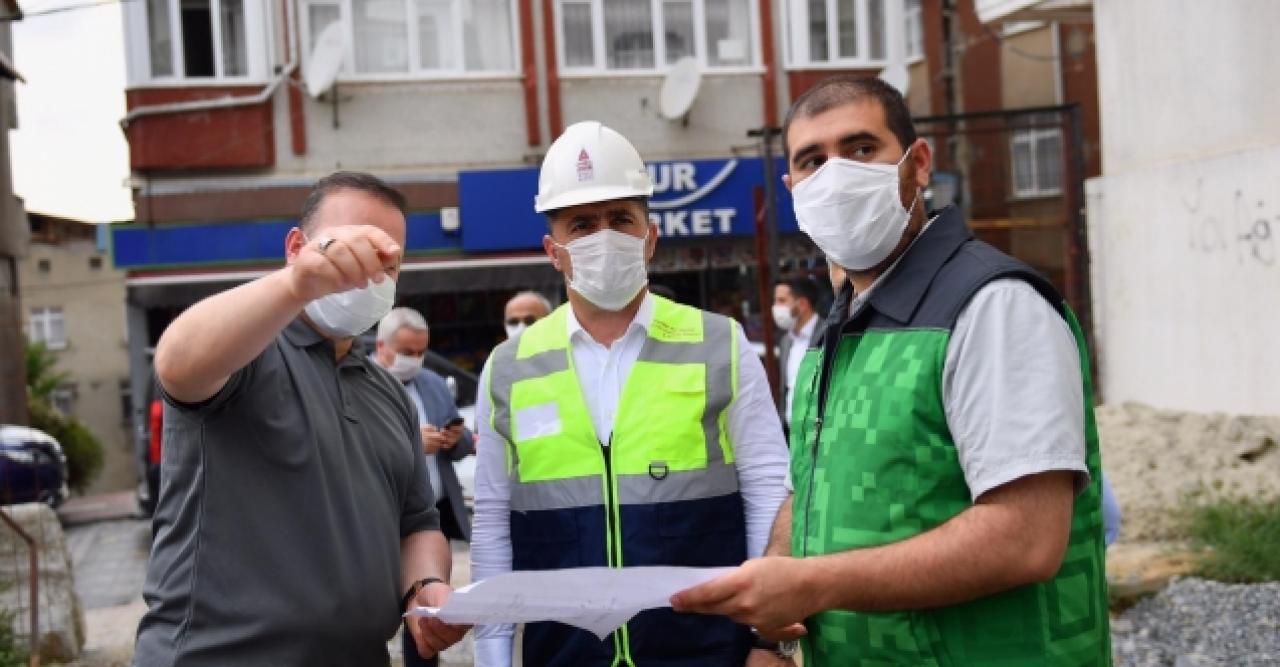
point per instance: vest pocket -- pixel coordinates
(545, 539)
(709, 532)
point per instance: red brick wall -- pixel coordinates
(234, 138)
(1080, 85)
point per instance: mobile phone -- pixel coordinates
(456, 421)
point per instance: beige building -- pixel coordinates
(73, 301)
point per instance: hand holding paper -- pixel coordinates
(596, 599)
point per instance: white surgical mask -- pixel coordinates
(783, 317)
(852, 211)
(608, 268)
(352, 312)
(514, 330)
(404, 367)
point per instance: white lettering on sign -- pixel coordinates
(680, 177)
(673, 177)
(698, 222)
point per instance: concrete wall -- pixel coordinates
(13, 244)
(96, 356)
(727, 106)
(419, 126)
(1028, 75)
(1185, 219)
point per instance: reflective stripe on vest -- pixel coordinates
(670, 441)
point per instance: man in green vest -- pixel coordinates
(623, 429)
(944, 457)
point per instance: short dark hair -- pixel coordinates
(349, 180)
(841, 89)
(802, 287)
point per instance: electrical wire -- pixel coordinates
(93, 4)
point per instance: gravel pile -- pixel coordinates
(1199, 623)
(1157, 458)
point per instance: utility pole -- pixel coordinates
(767, 246)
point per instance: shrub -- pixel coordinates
(1239, 539)
(83, 450)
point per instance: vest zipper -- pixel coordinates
(830, 341)
(613, 549)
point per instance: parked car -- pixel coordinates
(33, 467)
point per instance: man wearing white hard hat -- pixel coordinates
(623, 429)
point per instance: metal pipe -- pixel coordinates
(229, 101)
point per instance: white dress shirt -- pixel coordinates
(433, 467)
(795, 354)
(760, 454)
(1011, 386)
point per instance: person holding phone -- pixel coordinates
(400, 348)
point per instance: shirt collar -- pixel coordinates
(806, 331)
(303, 335)
(643, 320)
(896, 309)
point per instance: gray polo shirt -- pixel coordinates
(283, 502)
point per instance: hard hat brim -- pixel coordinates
(593, 195)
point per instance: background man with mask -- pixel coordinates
(295, 523)
(623, 430)
(401, 345)
(523, 310)
(795, 312)
(944, 454)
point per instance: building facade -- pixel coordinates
(73, 301)
(1186, 214)
(455, 101)
(13, 238)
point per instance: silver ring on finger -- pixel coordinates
(323, 243)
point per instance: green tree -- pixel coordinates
(84, 451)
(43, 376)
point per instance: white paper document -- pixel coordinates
(596, 599)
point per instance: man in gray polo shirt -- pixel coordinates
(294, 523)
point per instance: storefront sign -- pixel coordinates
(695, 198)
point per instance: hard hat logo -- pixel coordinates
(586, 172)
(590, 163)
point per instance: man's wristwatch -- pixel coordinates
(415, 587)
(785, 649)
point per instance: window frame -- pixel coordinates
(259, 45)
(657, 20)
(910, 8)
(795, 20)
(41, 318)
(415, 72)
(1032, 137)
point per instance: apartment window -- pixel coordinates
(649, 35)
(95, 263)
(126, 400)
(417, 38)
(48, 327)
(914, 18)
(44, 265)
(1035, 155)
(198, 39)
(64, 398)
(837, 32)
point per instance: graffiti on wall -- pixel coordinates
(1233, 223)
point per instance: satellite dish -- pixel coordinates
(896, 75)
(326, 59)
(679, 88)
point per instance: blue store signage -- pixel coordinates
(697, 199)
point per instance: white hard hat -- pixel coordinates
(590, 163)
